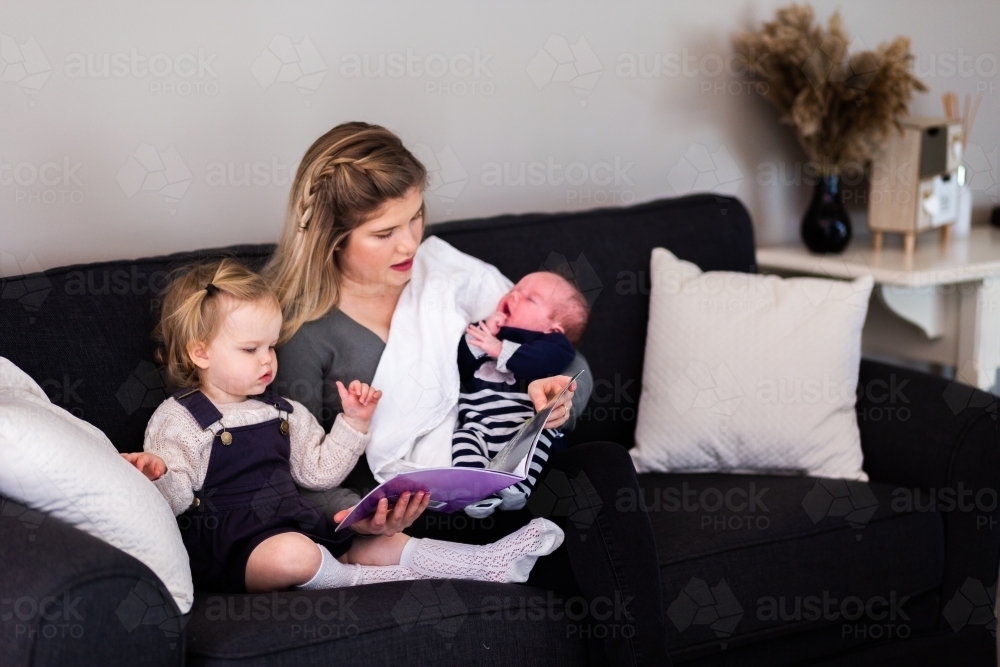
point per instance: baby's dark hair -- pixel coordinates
(573, 312)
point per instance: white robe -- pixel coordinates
(418, 371)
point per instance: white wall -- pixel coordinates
(203, 91)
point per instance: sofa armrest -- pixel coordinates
(938, 442)
(68, 598)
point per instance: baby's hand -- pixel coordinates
(359, 401)
(149, 464)
(481, 337)
(494, 322)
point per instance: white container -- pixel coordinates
(963, 221)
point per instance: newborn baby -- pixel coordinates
(530, 336)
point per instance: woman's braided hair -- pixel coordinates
(346, 176)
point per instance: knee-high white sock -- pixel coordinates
(334, 574)
(508, 560)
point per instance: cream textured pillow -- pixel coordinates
(750, 373)
(53, 462)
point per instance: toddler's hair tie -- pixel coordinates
(211, 289)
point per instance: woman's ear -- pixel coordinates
(198, 352)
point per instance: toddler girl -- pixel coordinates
(226, 451)
(530, 336)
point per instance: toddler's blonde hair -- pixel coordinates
(193, 311)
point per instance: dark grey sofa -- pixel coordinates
(754, 569)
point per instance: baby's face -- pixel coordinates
(240, 360)
(531, 303)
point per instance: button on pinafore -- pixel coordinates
(248, 496)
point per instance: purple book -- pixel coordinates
(453, 489)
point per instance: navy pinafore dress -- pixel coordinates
(248, 496)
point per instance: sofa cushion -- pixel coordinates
(427, 622)
(59, 465)
(750, 373)
(746, 558)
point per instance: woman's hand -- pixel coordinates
(149, 464)
(384, 522)
(542, 391)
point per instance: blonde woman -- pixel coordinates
(352, 234)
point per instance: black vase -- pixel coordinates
(826, 226)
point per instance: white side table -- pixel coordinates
(940, 305)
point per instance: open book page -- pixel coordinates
(453, 489)
(515, 457)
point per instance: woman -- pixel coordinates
(354, 224)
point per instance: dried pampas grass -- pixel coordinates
(841, 105)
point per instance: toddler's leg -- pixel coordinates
(334, 574)
(507, 560)
(281, 561)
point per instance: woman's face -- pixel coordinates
(379, 253)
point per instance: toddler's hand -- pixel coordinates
(481, 337)
(359, 401)
(149, 464)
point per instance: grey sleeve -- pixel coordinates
(301, 372)
(583, 388)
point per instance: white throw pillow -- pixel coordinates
(53, 462)
(750, 373)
